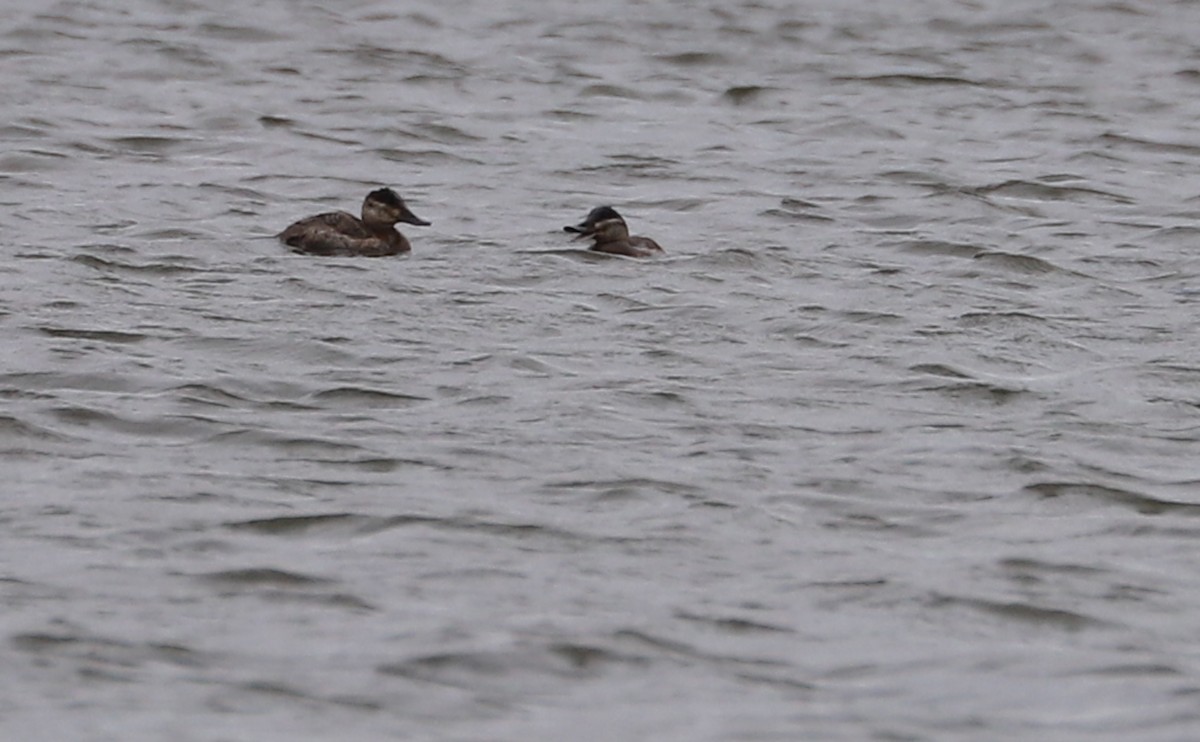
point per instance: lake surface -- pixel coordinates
(899, 441)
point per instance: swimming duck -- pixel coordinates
(604, 225)
(339, 233)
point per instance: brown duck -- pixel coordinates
(611, 235)
(340, 233)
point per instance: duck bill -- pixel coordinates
(582, 230)
(408, 217)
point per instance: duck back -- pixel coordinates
(340, 233)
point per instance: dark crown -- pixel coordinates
(385, 196)
(600, 214)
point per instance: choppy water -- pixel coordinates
(899, 442)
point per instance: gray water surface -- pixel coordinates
(899, 442)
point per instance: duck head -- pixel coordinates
(603, 223)
(385, 207)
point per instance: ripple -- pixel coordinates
(938, 247)
(164, 267)
(98, 650)
(424, 157)
(361, 397)
(106, 336)
(1020, 612)
(1102, 494)
(746, 95)
(1036, 191)
(737, 626)
(31, 161)
(443, 133)
(624, 488)
(417, 64)
(358, 524)
(16, 430)
(1015, 263)
(610, 91)
(208, 395)
(1149, 145)
(916, 80)
(50, 381)
(1007, 321)
(310, 447)
(638, 165)
(500, 669)
(157, 428)
(155, 145)
(694, 58)
(259, 576)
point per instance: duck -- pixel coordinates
(340, 233)
(611, 235)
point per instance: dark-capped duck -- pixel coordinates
(611, 235)
(340, 233)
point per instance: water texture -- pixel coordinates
(898, 443)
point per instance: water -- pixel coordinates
(897, 443)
